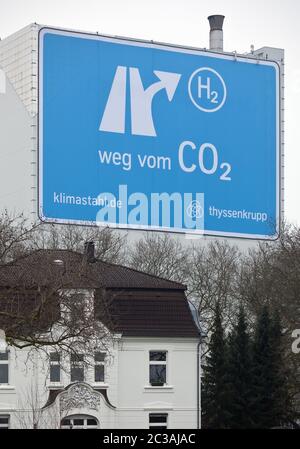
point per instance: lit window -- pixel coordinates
(54, 367)
(100, 366)
(3, 367)
(4, 422)
(158, 421)
(77, 368)
(158, 368)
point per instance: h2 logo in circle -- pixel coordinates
(207, 89)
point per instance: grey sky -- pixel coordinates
(261, 23)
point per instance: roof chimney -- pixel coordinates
(216, 32)
(89, 251)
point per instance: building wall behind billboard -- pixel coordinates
(18, 59)
(18, 116)
(17, 164)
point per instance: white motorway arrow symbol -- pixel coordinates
(141, 100)
(113, 119)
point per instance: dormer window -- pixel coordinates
(77, 307)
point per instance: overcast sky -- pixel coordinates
(273, 23)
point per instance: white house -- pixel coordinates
(146, 375)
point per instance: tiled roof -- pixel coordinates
(138, 305)
(144, 313)
(40, 268)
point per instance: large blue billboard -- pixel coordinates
(140, 135)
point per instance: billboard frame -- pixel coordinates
(252, 59)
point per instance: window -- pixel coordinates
(158, 421)
(158, 368)
(54, 367)
(73, 309)
(77, 368)
(99, 366)
(79, 422)
(78, 308)
(3, 367)
(4, 422)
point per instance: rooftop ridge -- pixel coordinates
(138, 283)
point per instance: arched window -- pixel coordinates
(79, 422)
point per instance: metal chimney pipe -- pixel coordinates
(216, 32)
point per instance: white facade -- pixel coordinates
(18, 123)
(130, 397)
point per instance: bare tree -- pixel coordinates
(210, 271)
(212, 281)
(30, 412)
(270, 275)
(40, 307)
(160, 255)
(15, 233)
(109, 244)
(51, 317)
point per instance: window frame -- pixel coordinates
(5, 426)
(158, 362)
(158, 425)
(85, 418)
(55, 363)
(77, 364)
(78, 307)
(5, 362)
(100, 363)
